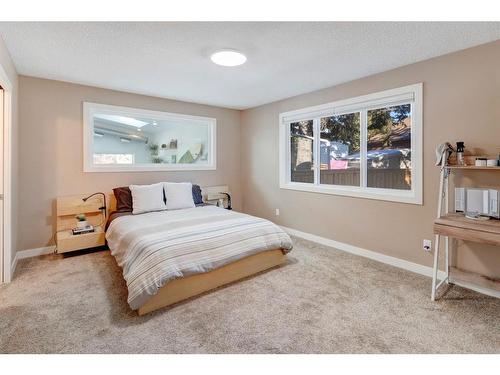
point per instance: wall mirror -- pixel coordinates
(120, 139)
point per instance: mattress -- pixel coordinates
(157, 247)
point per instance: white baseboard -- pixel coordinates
(396, 262)
(29, 253)
(13, 266)
(35, 252)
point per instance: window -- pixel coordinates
(113, 158)
(369, 146)
(339, 149)
(130, 139)
(301, 151)
(389, 147)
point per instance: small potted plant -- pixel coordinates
(154, 149)
(81, 221)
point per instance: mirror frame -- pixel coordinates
(90, 109)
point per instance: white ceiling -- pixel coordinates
(171, 59)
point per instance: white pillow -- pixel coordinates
(179, 195)
(147, 198)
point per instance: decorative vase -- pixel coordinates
(81, 224)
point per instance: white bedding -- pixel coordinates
(156, 247)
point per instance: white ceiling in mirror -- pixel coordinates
(123, 120)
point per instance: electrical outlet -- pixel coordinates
(427, 246)
(277, 212)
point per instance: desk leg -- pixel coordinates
(447, 257)
(435, 268)
(446, 239)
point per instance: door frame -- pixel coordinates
(7, 178)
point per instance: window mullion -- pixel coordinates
(316, 147)
(363, 148)
(289, 151)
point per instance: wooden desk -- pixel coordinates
(458, 226)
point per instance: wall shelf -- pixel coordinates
(470, 161)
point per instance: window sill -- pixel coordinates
(391, 195)
(149, 168)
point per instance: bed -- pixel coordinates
(170, 256)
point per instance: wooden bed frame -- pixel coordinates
(181, 289)
(187, 287)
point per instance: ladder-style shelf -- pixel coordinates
(458, 226)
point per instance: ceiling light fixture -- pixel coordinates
(228, 58)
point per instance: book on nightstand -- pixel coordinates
(84, 230)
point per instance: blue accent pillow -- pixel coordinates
(197, 198)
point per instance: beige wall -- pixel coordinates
(50, 150)
(8, 66)
(461, 102)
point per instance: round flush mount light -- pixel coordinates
(228, 58)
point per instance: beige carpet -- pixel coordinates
(322, 301)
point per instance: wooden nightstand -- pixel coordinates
(67, 208)
(212, 194)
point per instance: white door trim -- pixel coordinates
(7, 160)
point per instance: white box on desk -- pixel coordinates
(477, 200)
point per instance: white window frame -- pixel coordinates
(90, 109)
(408, 94)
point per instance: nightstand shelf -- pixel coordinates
(67, 208)
(67, 241)
(212, 194)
